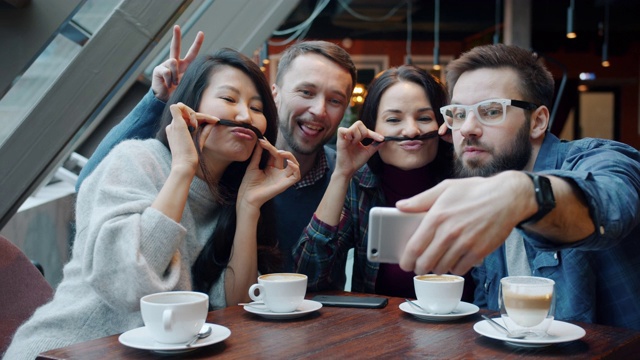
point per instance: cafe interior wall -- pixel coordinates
(622, 77)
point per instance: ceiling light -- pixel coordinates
(605, 42)
(496, 30)
(436, 36)
(570, 33)
(587, 76)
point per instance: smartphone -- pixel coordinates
(351, 301)
(389, 232)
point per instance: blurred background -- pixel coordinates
(72, 69)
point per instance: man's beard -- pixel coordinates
(297, 148)
(515, 157)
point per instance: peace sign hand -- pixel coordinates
(166, 76)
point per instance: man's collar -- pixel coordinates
(320, 167)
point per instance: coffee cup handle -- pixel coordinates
(252, 292)
(167, 319)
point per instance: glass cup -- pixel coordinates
(527, 305)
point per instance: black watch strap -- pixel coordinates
(544, 197)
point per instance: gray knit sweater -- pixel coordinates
(123, 250)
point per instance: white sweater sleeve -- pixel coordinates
(128, 248)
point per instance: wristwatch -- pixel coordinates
(544, 197)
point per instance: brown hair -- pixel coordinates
(329, 50)
(536, 83)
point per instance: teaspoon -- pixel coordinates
(416, 306)
(251, 303)
(502, 328)
(204, 332)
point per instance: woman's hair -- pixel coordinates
(215, 255)
(536, 83)
(435, 92)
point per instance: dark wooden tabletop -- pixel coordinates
(334, 332)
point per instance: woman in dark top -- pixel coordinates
(401, 115)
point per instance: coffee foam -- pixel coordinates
(282, 277)
(434, 278)
(177, 298)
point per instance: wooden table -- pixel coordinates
(350, 333)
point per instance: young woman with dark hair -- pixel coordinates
(186, 211)
(401, 115)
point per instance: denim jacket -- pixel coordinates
(598, 278)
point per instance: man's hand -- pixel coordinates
(167, 75)
(467, 219)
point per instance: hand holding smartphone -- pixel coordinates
(389, 231)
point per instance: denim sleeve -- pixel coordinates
(608, 174)
(141, 123)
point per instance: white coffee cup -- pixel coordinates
(438, 294)
(527, 304)
(174, 317)
(280, 292)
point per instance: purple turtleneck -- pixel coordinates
(396, 185)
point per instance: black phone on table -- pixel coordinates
(351, 301)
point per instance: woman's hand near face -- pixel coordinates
(260, 185)
(445, 133)
(351, 153)
(180, 134)
(172, 198)
(351, 156)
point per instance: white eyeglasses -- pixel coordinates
(488, 112)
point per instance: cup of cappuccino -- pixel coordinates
(174, 317)
(438, 294)
(527, 304)
(280, 292)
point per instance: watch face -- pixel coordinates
(546, 200)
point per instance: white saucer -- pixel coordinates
(306, 307)
(463, 309)
(141, 339)
(559, 332)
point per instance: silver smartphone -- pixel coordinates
(389, 232)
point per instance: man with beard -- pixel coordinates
(312, 92)
(528, 203)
